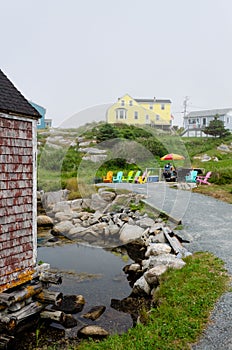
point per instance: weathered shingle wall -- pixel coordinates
(16, 201)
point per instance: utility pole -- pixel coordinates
(185, 104)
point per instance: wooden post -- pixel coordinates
(47, 296)
(24, 293)
(28, 310)
(49, 277)
(57, 316)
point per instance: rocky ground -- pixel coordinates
(114, 221)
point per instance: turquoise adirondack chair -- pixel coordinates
(192, 177)
(118, 178)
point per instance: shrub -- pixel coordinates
(222, 177)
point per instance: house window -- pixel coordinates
(228, 120)
(121, 113)
(122, 103)
(151, 106)
(136, 115)
(162, 106)
(157, 117)
(147, 117)
(204, 121)
(130, 103)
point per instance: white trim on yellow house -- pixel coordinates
(128, 110)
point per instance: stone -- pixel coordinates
(95, 158)
(129, 233)
(224, 148)
(141, 286)
(99, 228)
(134, 267)
(86, 202)
(61, 207)
(51, 198)
(44, 220)
(63, 227)
(107, 195)
(77, 231)
(169, 260)
(69, 321)
(152, 275)
(76, 204)
(71, 304)
(183, 236)
(157, 249)
(93, 332)
(97, 202)
(95, 312)
(61, 216)
(145, 222)
(113, 229)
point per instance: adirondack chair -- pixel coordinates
(142, 179)
(135, 178)
(129, 176)
(108, 177)
(118, 178)
(204, 179)
(192, 177)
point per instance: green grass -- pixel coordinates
(181, 310)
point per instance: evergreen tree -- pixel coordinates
(216, 128)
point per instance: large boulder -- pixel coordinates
(157, 249)
(50, 198)
(44, 221)
(130, 233)
(168, 260)
(62, 227)
(97, 202)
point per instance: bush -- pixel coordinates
(222, 177)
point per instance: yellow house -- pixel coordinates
(128, 110)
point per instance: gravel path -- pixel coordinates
(209, 222)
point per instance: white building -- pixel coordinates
(195, 122)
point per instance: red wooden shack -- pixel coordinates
(18, 238)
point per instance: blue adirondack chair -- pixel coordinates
(118, 177)
(192, 177)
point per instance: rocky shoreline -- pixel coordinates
(117, 221)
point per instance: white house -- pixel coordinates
(194, 122)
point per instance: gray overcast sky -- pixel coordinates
(71, 55)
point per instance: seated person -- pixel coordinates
(170, 173)
(167, 171)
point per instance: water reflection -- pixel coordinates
(97, 275)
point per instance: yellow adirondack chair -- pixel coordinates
(142, 179)
(135, 178)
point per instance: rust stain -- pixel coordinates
(22, 278)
